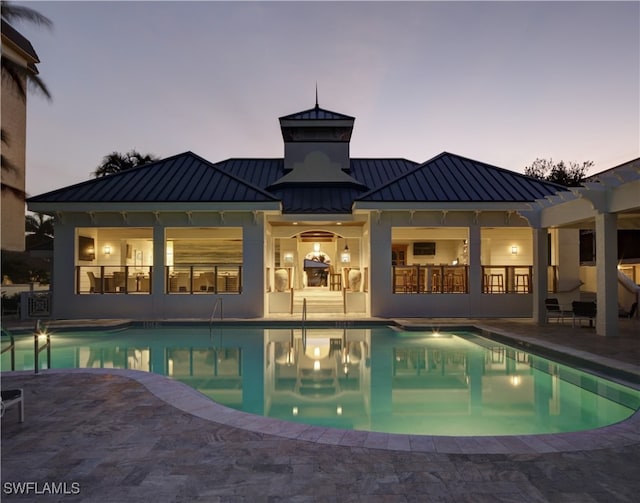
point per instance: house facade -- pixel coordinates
(14, 126)
(384, 237)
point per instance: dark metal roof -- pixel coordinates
(21, 41)
(188, 178)
(451, 178)
(316, 198)
(317, 113)
(182, 178)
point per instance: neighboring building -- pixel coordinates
(14, 124)
(374, 237)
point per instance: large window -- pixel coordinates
(204, 260)
(507, 258)
(113, 260)
(430, 260)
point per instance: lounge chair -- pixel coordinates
(553, 310)
(583, 311)
(12, 397)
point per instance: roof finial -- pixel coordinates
(317, 95)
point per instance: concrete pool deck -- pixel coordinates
(133, 436)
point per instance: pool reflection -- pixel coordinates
(373, 379)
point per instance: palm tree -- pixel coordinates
(115, 162)
(17, 76)
(39, 225)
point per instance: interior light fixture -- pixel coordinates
(514, 250)
(107, 250)
(345, 256)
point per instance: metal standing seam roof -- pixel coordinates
(184, 177)
(317, 113)
(452, 178)
(316, 198)
(189, 178)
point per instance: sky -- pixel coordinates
(500, 82)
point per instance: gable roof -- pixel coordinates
(452, 178)
(316, 113)
(185, 177)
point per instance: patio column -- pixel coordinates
(475, 261)
(540, 267)
(607, 274)
(157, 275)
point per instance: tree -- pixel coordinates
(17, 76)
(569, 176)
(39, 225)
(115, 162)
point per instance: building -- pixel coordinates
(14, 126)
(374, 237)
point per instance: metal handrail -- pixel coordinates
(303, 321)
(37, 348)
(291, 302)
(344, 300)
(218, 303)
(11, 347)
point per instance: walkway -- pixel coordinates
(111, 434)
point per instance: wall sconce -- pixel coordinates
(107, 250)
(345, 256)
(514, 250)
(316, 247)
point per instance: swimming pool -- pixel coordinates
(362, 378)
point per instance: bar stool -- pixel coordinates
(335, 281)
(496, 282)
(435, 281)
(522, 283)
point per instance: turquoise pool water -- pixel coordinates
(361, 378)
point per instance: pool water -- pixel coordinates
(361, 378)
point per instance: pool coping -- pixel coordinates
(191, 401)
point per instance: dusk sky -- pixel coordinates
(502, 82)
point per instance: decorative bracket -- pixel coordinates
(125, 217)
(92, 216)
(221, 213)
(189, 216)
(443, 218)
(476, 217)
(156, 214)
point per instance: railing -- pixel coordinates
(113, 279)
(204, 278)
(431, 279)
(507, 279)
(302, 325)
(37, 348)
(11, 347)
(291, 301)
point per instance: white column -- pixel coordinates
(607, 274)
(158, 273)
(475, 261)
(540, 267)
(380, 263)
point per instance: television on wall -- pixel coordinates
(424, 248)
(86, 248)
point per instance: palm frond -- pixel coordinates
(16, 75)
(11, 12)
